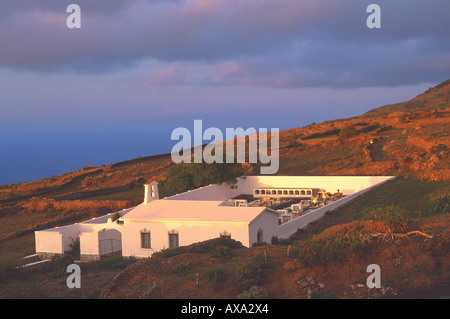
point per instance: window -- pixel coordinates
(259, 236)
(145, 239)
(173, 239)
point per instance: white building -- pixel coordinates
(245, 214)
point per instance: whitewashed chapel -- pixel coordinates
(259, 208)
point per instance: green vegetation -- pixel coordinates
(181, 269)
(118, 262)
(255, 292)
(216, 277)
(182, 178)
(394, 217)
(331, 248)
(347, 132)
(251, 273)
(327, 133)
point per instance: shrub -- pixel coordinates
(216, 276)
(403, 118)
(74, 250)
(347, 132)
(118, 262)
(181, 269)
(439, 203)
(221, 251)
(58, 264)
(332, 247)
(255, 292)
(251, 273)
(277, 241)
(394, 217)
(115, 216)
(263, 243)
(9, 270)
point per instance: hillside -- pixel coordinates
(409, 140)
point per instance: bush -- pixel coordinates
(221, 251)
(439, 203)
(333, 247)
(181, 269)
(394, 217)
(255, 292)
(347, 132)
(74, 250)
(118, 262)
(251, 273)
(58, 264)
(277, 241)
(9, 271)
(216, 276)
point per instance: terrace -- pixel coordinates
(289, 203)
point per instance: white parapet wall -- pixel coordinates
(289, 228)
(58, 240)
(346, 184)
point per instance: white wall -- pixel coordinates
(289, 228)
(188, 233)
(268, 222)
(48, 242)
(58, 239)
(211, 192)
(346, 184)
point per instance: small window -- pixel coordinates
(173, 239)
(259, 236)
(145, 240)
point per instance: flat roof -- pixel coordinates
(192, 210)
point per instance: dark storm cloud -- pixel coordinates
(276, 43)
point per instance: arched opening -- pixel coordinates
(109, 242)
(308, 192)
(302, 192)
(297, 192)
(257, 192)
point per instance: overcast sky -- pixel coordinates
(266, 63)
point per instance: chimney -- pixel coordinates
(150, 191)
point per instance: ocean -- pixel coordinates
(28, 156)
